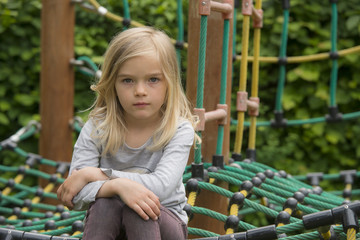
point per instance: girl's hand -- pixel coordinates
(74, 183)
(143, 201)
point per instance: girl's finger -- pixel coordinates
(140, 212)
(154, 207)
(146, 207)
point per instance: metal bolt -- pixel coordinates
(203, 3)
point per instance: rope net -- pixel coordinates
(294, 207)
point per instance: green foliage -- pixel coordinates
(298, 149)
(318, 147)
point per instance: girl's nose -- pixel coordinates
(140, 89)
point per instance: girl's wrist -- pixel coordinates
(92, 174)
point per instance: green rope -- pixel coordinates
(126, 12)
(180, 24)
(200, 80)
(223, 83)
(201, 232)
(346, 116)
(334, 69)
(201, 63)
(281, 83)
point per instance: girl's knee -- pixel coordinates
(107, 204)
(130, 214)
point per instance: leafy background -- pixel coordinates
(320, 147)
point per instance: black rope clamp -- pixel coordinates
(232, 222)
(179, 45)
(348, 176)
(251, 154)
(192, 185)
(197, 171)
(237, 157)
(286, 4)
(8, 144)
(314, 178)
(263, 233)
(334, 55)
(62, 168)
(126, 22)
(334, 115)
(218, 161)
(32, 159)
(331, 216)
(279, 120)
(350, 220)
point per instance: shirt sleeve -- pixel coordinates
(86, 154)
(168, 172)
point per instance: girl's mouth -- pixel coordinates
(141, 104)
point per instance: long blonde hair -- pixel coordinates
(108, 114)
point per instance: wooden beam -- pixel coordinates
(57, 79)
(211, 99)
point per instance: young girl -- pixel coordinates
(129, 158)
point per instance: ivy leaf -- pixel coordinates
(353, 22)
(333, 137)
(4, 119)
(307, 74)
(4, 106)
(25, 99)
(17, 79)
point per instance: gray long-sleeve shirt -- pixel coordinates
(160, 171)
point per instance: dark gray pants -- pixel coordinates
(110, 218)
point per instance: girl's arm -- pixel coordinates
(76, 181)
(85, 178)
(168, 173)
(134, 195)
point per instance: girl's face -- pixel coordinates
(141, 89)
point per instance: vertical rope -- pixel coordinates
(255, 79)
(126, 12)
(200, 80)
(281, 82)
(180, 23)
(334, 68)
(224, 67)
(242, 83)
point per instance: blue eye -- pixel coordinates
(154, 80)
(127, 80)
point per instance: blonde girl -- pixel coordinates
(129, 158)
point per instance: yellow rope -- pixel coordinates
(301, 59)
(348, 187)
(229, 231)
(255, 80)
(242, 82)
(37, 199)
(351, 234)
(192, 198)
(326, 235)
(244, 192)
(288, 210)
(234, 209)
(118, 18)
(17, 179)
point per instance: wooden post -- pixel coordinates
(57, 80)
(211, 99)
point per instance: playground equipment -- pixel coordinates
(297, 207)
